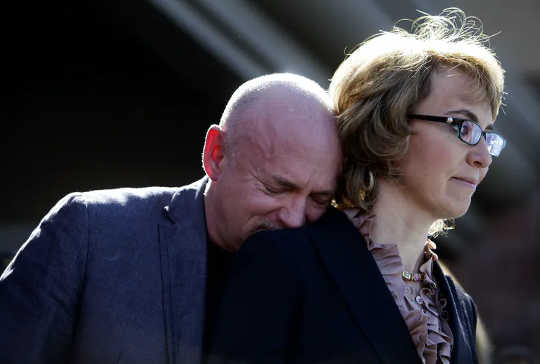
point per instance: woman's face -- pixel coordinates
(439, 172)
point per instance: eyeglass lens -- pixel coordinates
(495, 144)
(471, 133)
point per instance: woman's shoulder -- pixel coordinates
(275, 246)
(296, 250)
(297, 240)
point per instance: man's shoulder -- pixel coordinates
(125, 195)
(131, 196)
(123, 202)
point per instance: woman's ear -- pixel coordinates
(213, 153)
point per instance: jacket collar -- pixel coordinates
(344, 251)
(182, 243)
(462, 317)
(186, 201)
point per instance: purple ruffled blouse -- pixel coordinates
(420, 303)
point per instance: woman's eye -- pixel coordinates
(465, 129)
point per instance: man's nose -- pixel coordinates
(293, 214)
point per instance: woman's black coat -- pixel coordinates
(315, 294)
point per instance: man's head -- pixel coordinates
(273, 160)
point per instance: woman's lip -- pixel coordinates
(465, 182)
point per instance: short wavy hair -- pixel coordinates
(385, 77)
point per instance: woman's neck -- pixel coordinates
(399, 221)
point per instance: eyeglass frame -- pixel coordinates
(453, 121)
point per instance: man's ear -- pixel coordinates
(213, 152)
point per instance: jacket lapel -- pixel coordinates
(344, 252)
(183, 272)
(462, 317)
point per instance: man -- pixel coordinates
(119, 276)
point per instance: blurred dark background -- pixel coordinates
(120, 93)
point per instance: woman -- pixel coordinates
(415, 118)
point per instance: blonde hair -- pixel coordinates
(386, 76)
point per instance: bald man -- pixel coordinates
(130, 275)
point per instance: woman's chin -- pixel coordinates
(456, 209)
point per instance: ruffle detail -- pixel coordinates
(420, 303)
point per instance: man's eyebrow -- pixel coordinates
(291, 186)
(284, 182)
(469, 115)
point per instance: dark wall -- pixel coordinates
(99, 96)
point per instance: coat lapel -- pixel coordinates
(183, 272)
(344, 252)
(462, 318)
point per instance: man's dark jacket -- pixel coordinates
(114, 276)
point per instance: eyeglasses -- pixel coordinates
(469, 132)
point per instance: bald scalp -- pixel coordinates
(260, 101)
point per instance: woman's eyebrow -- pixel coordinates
(468, 114)
(471, 116)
